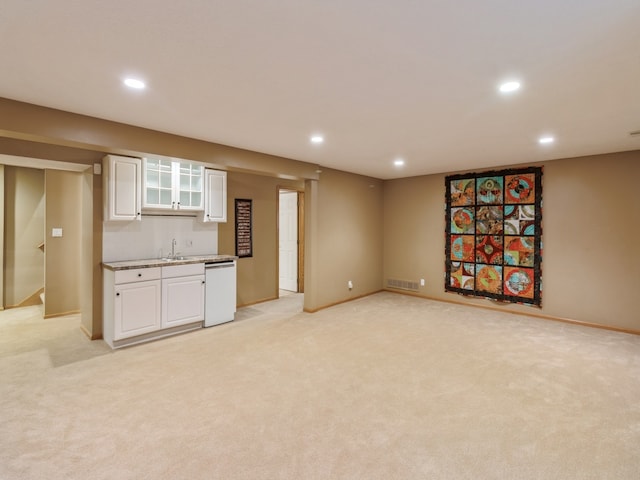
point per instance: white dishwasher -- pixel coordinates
(220, 293)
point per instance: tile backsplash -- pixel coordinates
(151, 238)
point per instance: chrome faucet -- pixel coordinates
(173, 248)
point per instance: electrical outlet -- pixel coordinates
(422, 282)
(350, 284)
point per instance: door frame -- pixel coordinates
(300, 194)
(87, 296)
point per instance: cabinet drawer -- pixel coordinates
(137, 275)
(172, 271)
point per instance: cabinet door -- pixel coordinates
(189, 191)
(122, 187)
(158, 184)
(137, 308)
(182, 300)
(173, 185)
(215, 209)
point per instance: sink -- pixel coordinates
(173, 259)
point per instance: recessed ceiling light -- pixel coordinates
(509, 87)
(398, 162)
(134, 83)
(317, 139)
(546, 140)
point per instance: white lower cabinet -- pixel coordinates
(145, 303)
(137, 309)
(182, 294)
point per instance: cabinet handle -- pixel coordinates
(139, 274)
(118, 294)
(203, 282)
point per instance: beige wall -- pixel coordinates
(2, 237)
(63, 257)
(343, 230)
(88, 266)
(24, 232)
(591, 228)
(57, 129)
(354, 232)
(257, 275)
(344, 238)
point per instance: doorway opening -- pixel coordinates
(23, 235)
(47, 238)
(290, 242)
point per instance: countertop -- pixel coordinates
(160, 262)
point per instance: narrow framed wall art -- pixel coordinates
(493, 238)
(244, 228)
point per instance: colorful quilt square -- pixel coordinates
(489, 190)
(462, 220)
(462, 248)
(463, 192)
(520, 188)
(489, 220)
(489, 278)
(520, 219)
(463, 275)
(519, 251)
(519, 282)
(489, 249)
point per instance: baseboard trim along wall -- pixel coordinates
(314, 310)
(528, 314)
(268, 299)
(97, 336)
(62, 314)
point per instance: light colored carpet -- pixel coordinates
(384, 387)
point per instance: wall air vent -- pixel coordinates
(402, 284)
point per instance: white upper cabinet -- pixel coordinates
(158, 184)
(121, 185)
(171, 184)
(215, 202)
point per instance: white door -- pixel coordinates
(288, 249)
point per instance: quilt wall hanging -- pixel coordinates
(493, 245)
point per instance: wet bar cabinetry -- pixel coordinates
(146, 303)
(168, 186)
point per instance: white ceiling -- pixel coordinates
(380, 79)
